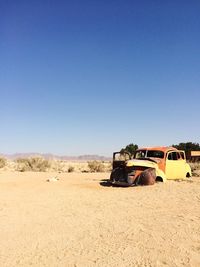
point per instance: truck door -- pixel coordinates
(175, 166)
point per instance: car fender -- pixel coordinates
(161, 174)
(188, 169)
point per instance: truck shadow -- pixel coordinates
(105, 182)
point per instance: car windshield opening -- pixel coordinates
(149, 154)
(155, 154)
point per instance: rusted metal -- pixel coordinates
(147, 177)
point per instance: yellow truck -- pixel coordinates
(148, 165)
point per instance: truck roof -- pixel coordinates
(160, 148)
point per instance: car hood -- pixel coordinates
(143, 163)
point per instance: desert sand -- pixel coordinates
(79, 221)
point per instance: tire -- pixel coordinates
(147, 177)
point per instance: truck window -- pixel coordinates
(173, 156)
(182, 155)
(155, 154)
(169, 156)
(140, 154)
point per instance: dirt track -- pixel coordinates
(78, 222)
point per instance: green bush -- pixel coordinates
(36, 164)
(2, 162)
(131, 148)
(96, 166)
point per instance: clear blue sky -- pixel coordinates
(89, 77)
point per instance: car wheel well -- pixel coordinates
(159, 179)
(188, 175)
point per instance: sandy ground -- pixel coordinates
(79, 222)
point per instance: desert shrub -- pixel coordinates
(23, 164)
(56, 165)
(195, 167)
(37, 164)
(2, 162)
(96, 166)
(109, 166)
(70, 169)
(84, 171)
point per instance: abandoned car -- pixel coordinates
(149, 165)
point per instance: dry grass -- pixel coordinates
(195, 169)
(96, 166)
(2, 162)
(40, 164)
(36, 164)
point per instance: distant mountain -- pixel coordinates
(52, 156)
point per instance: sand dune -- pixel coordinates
(79, 222)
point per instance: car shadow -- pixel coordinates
(105, 182)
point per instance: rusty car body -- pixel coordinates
(148, 165)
